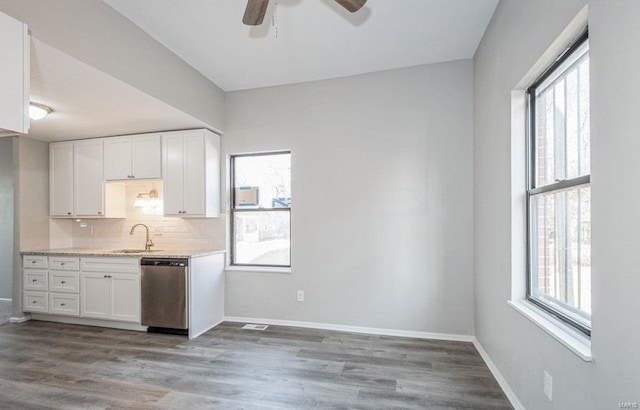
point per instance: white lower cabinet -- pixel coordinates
(64, 304)
(106, 293)
(35, 302)
(95, 295)
(93, 288)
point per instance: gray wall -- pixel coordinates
(382, 191)
(518, 35)
(6, 217)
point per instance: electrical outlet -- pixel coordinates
(548, 385)
(301, 296)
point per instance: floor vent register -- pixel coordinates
(250, 326)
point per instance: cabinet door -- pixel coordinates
(117, 158)
(95, 293)
(61, 179)
(194, 175)
(88, 159)
(14, 76)
(125, 297)
(147, 156)
(172, 172)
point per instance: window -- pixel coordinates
(559, 192)
(261, 209)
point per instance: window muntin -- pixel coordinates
(559, 193)
(261, 209)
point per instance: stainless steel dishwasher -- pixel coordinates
(164, 295)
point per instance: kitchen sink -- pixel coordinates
(135, 251)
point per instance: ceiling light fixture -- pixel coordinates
(38, 111)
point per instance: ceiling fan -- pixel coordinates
(256, 9)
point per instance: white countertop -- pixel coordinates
(168, 253)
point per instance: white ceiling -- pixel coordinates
(89, 103)
(317, 39)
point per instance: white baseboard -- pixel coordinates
(353, 329)
(73, 320)
(517, 405)
(5, 300)
(20, 319)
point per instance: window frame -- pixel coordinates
(532, 190)
(233, 210)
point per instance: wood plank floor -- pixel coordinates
(50, 365)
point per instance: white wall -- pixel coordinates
(518, 35)
(381, 187)
(94, 33)
(6, 216)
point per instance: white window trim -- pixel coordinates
(262, 269)
(572, 339)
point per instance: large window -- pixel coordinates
(261, 209)
(559, 191)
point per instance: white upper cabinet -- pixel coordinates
(88, 162)
(14, 76)
(61, 179)
(76, 183)
(132, 157)
(191, 174)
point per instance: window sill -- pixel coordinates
(264, 269)
(571, 339)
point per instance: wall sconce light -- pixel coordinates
(148, 199)
(38, 111)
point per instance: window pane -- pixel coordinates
(262, 181)
(262, 238)
(562, 125)
(561, 251)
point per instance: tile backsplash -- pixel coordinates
(166, 233)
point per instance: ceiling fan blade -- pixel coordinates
(351, 5)
(255, 11)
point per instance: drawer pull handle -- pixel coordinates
(63, 282)
(62, 304)
(34, 302)
(34, 280)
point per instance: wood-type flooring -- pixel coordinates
(50, 365)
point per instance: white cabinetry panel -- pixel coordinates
(117, 158)
(14, 76)
(88, 162)
(61, 179)
(191, 174)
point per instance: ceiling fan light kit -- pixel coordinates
(256, 10)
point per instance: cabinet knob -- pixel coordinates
(63, 282)
(34, 302)
(33, 261)
(62, 304)
(68, 213)
(99, 213)
(61, 263)
(34, 280)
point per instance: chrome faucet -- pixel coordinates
(149, 244)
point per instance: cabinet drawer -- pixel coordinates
(65, 282)
(35, 262)
(35, 302)
(64, 304)
(64, 263)
(35, 279)
(110, 265)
